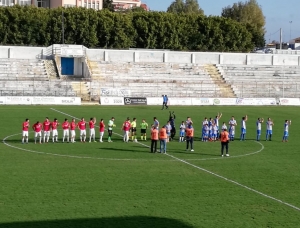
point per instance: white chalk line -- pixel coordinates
(195, 159)
(219, 176)
(174, 159)
(75, 156)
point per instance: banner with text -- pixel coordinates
(116, 92)
(154, 101)
(224, 101)
(289, 101)
(111, 100)
(201, 101)
(40, 100)
(256, 101)
(179, 101)
(135, 100)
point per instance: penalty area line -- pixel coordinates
(215, 174)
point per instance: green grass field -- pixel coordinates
(123, 185)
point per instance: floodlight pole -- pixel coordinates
(62, 27)
(290, 30)
(280, 38)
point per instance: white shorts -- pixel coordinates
(54, 133)
(73, 133)
(38, 134)
(92, 131)
(25, 134)
(66, 132)
(46, 133)
(126, 133)
(82, 132)
(101, 133)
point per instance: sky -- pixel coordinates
(278, 14)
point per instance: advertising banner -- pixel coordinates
(116, 92)
(135, 100)
(256, 101)
(2, 100)
(202, 101)
(289, 101)
(19, 100)
(180, 101)
(42, 100)
(224, 101)
(154, 100)
(68, 100)
(111, 100)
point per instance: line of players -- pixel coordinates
(43, 130)
(210, 129)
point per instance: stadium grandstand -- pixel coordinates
(73, 70)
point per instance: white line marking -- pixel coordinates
(74, 156)
(234, 182)
(219, 176)
(192, 159)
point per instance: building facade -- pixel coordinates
(90, 4)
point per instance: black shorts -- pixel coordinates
(133, 129)
(143, 131)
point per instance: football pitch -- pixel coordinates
(123, 185)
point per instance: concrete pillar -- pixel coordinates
(299, 61)
(193, 58)
(165, 58)
(136, 57)
(9, 53)
(247, 59)
(105, 55)
(221, 59)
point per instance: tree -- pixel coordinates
(250, 14)
(108, 4)
(187, 6)
(246, 12)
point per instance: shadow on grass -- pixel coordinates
(111, 222)
(194, 153)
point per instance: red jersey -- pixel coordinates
(54, 125)
(46, 125)
(37, 127)
(92, 125)
(126, 126)
(25, 126)
(81, 125)
(101, 127)
(65, 125)
(73, 125)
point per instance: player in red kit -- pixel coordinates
(73, 133)
(101, 129)
(92, 129)
(126, 128)
(54, 126)
(66, 126)
(37, 127)
(82, 127)
(46, 128)
(25, 127)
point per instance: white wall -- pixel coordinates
(18, 52)
(153, 56)
(192, 57)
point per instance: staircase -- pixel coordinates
(81, 90)
(50, 69)
(95, 71)
(225, 89)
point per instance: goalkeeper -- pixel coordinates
(110, 128)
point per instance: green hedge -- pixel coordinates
(105, 29)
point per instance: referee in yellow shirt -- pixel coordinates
(133, 130)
